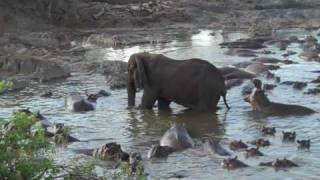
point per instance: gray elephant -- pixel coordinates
(193, 83)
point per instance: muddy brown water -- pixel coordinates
(137, 130)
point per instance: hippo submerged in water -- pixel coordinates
(260, 102)
(77, 103)
(174, 139)
(213, 146)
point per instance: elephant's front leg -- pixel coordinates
(163, 103)
(148, 99)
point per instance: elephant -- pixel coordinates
(193, 83)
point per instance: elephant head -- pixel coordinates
(137, 76)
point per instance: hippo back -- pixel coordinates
(77, 103)
(177, 138)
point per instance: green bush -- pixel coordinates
(5, 85)
(23, 153)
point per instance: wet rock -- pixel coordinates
(242, 64)
(237, 145)
(233, 163)
(288, 62)
(230, 83)
(103, 93)
(33, 68)
(253, 152)
(268, 130)
(293, 39)
(266, 60)
(304, 144)
(273, 67)
(158, 151)
(278, 164)
(268, 87)
(47, 94)
(18, 83)
(296, 84)
(310, 55)
(289, 53)
(244, 44)
(289, 136)
(227, 70)
(241, 52)
(116, 74)
(260, 142)
(257, 68)
(316, 80)
(282, 45)
(240, 74)
(315, 91)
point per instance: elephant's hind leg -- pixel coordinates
(163, 103)
(148, 99)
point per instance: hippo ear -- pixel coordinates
(235, 158)
(140, 68)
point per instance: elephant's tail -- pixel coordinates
(225, 101)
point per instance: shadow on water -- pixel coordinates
(156, 122)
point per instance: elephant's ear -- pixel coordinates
(142, 76)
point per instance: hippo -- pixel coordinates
(233, 163)
(158, 151)
(317, 80)
(304, 144)
(134, 160)
(61, 135)
(111, 151)
(268, 130)
(77, 103)
(278, 164)
(213, 146)
(289, 136)
(314, 91)
(260, 142)
(253, 152)
(177, 138)
(237, 145)
(260, 102)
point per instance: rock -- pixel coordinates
(316, 80)
(282, 45)
(233, 83)
(315, 91)
(310, 55)
(288, 62)
(244, 44)
(257, 68)
(289, 53)
(117, 81)
(241, 52)
(267, 87)
(34, 68)
(47, 94)
(266, 60)
(296, 84)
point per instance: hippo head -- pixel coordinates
(92, 98)
(159, 151)
(257, 83)
(58, 128)
(110, 151)
(304, 143)
(289, 136)
(269, 130)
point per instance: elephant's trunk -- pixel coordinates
(131, 93)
